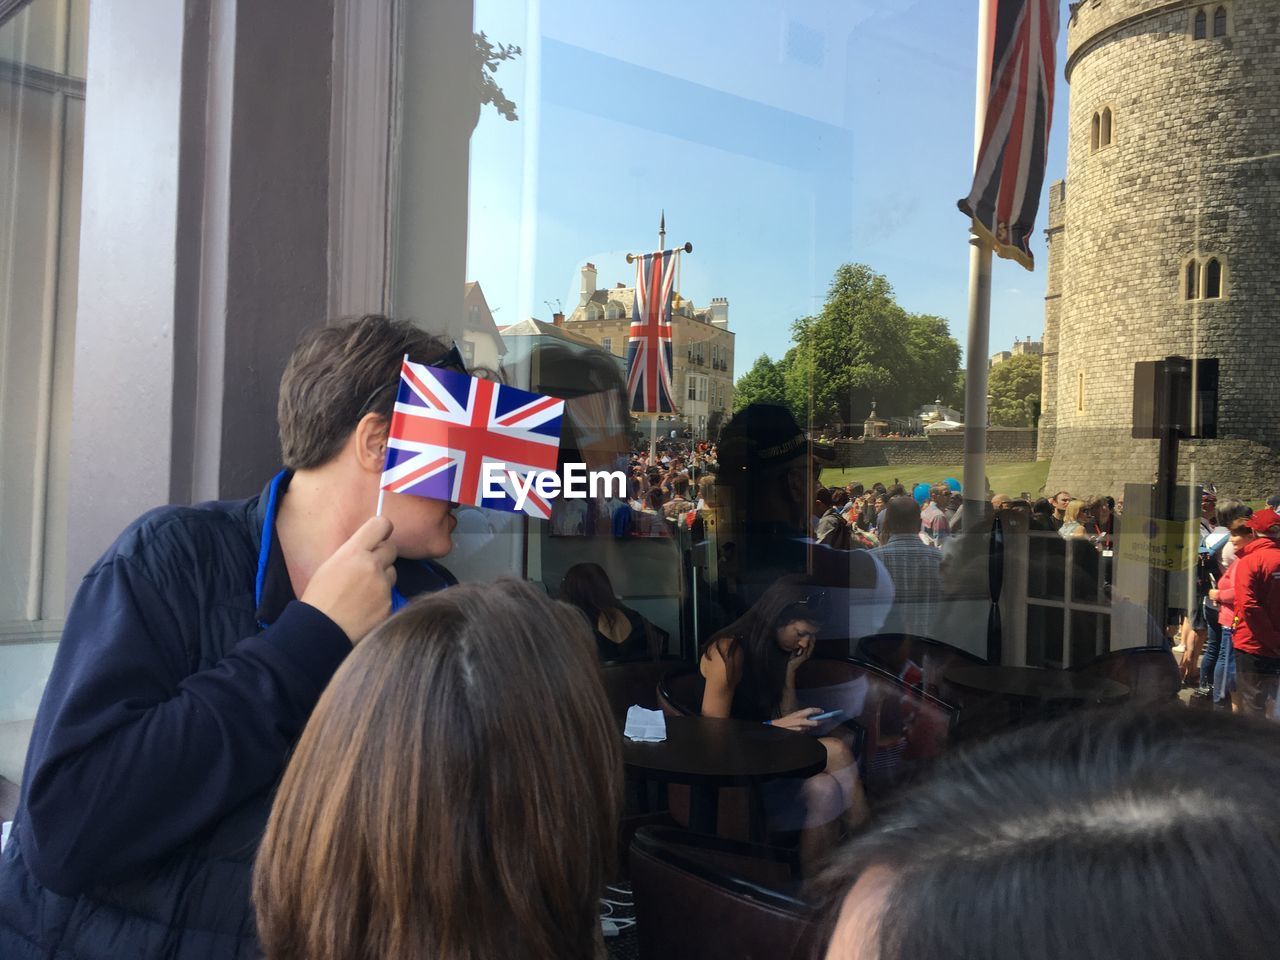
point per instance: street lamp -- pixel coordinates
(989, 399)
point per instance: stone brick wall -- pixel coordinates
(1178, 179)
(1004, 445)
(1052, 311)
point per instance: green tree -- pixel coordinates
(1014, 388)
(864, 346)
(763, 383)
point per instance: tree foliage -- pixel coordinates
(1014, 388)
(864, 346)
(763, 383)
(490, 57)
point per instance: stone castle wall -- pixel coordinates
(1004, 445)
(1178, 179)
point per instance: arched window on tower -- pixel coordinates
(1191, 286)
(1094, 132)
(1200, 30)
(1213, 279)
(1220, 22)
(1104, 137)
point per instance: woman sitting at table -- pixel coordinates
(620, 632)
(454, 794)
(750, 671)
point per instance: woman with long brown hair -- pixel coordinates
(750, 672)
(455, 794)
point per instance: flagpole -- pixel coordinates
(979, 335)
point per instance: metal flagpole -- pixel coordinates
(975, 379)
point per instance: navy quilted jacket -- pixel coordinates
(165, 726)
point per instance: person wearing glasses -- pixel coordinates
(750, 671)
(191, 658)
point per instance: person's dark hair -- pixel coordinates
(680, 485)
(337, 375)
(838, 497)
(1043, 506)
(655, 498)
(455, 793)
(896, 490)
(788, 599)
(1229, 511)
(856, 490)
(823, 496)
(902, 515)
(1063, 839)
(587, 587)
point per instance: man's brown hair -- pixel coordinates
(455, 794)
(336, 375)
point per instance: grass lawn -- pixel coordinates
(1010, 478)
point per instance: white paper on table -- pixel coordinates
(646, 725)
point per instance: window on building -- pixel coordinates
(1080, 392)
(1213, 279)
(607, 343)
(1205, 278)
(1104, 136)
(1220, 22)
(702, 389)
(1095, 132)
(1200, 30)
(693, 387)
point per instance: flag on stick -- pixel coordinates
(447, 425)
(1010, 168)
(649, 349)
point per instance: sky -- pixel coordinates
(781, 138)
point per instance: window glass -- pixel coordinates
(828, 276)
(42, 92)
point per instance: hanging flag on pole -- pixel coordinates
(447, 425)
(1009, 172)
(649, 349)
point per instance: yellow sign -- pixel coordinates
(1168, 545)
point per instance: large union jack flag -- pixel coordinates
(1015, 135)
(447, 425)
(649, 349)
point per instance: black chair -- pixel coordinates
(899, 729)
(707, 898)
(633, 682)
(892, 651)
(1150, 673)
(679, 692)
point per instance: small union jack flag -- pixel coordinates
(649, 350)
(446, 426)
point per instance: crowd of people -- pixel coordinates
(279, 727)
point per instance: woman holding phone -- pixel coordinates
(750, 672)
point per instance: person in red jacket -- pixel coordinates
(1256, 626)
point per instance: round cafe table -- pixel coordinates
(1036, 684)
(708, 753)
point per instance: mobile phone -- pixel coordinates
(827, 716)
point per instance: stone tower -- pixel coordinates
(1165, 238)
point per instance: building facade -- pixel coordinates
(1162, 241)
(701, 341)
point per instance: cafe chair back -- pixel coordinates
(894, 652)
(633, 683)
(898, 728)
(1150, 673)
(708, 898)
(680, 692)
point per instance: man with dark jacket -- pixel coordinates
(1255, 630)
(192, 656)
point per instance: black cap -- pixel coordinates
(762, 435)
